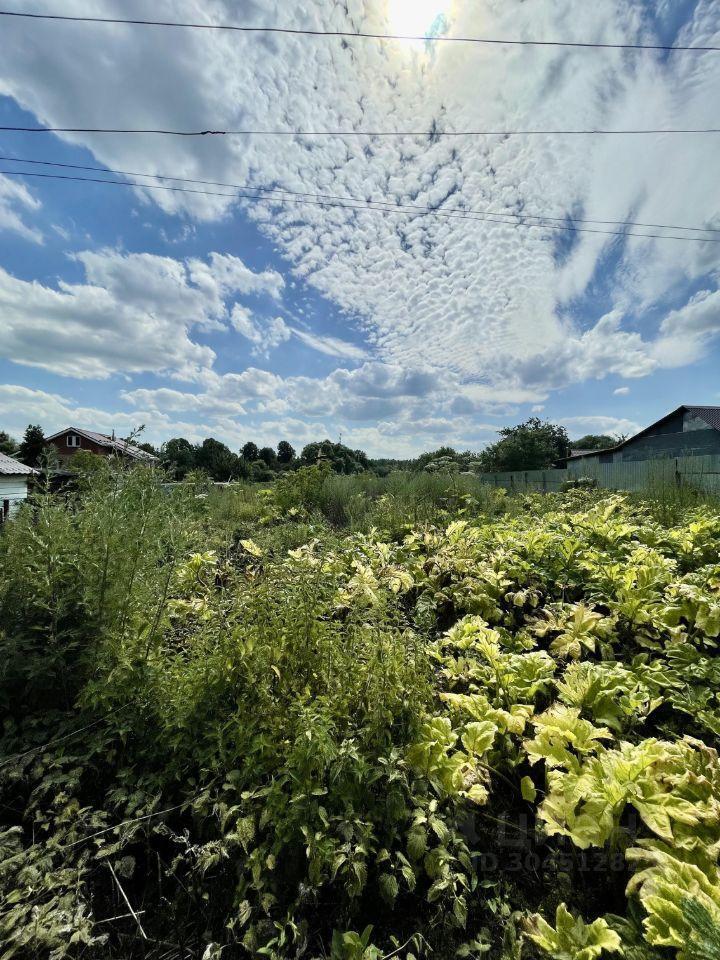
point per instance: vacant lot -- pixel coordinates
(268, 720)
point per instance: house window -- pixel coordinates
(5, 511)
(73, 440)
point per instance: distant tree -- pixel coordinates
(362, 458)
(533, 445)
(216, 459)
(8, 446)
(383, 466)
(285, 452)
(594, 441)
(85, 461)
(178, 456)
(260, 472)
(425, 458)
(268, 456)
(341, 458)
(148, 448)
(86, 464)
(250, 452)
(32, 445)
(443, 465)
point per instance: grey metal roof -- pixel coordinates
(9, 467)
(113, 443)
(711, 415)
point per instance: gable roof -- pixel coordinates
(112, 443)
(711, 415)
(10, 467)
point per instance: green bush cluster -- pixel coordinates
(445, 723)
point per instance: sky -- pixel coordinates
(396, 331)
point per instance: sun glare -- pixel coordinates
(417, 18)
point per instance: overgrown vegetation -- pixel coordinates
(359, 718)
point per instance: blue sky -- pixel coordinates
(211, 316)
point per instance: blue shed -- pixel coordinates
(686, 432)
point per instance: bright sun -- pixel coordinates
(416, 17)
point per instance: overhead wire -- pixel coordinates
(362, 206)
(432, 134)
(409, 207)
(518, 220)
(358, 34)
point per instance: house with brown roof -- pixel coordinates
(14, 479)
(69, 441)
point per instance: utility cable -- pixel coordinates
(409, 207)
(356, 34)
(360, 207)
(432, 134)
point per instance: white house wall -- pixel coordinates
(13, 489)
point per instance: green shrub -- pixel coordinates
(240, 722)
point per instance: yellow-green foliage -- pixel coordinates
(269, 736)
(572, 938)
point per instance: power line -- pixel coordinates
(360, 206)
(409, 207)
(427, 134)
(355, 34)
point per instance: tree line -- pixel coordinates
(261, 464)
(534, 444)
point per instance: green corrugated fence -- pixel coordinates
(637, 475)
(542, 480)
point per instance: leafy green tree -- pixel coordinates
(250, 452)
(268, 456)
(32, 445)
(85, 461)
(533, 445)
(7, 445)
(425, 458)
(86, 465)
(148, 448)
(260, 472)
(341, 458)
(285, 452)
(594, 441)
(178, 456)
(217, 460)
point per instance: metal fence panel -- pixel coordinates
(635, 475)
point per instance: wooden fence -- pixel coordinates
(639, 475)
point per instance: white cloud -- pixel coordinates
(265, 335)
(21, 405)
(331, 346)
(224, 274)
(459, 295)
(397, 401)
(621, 391)
(134, 313)
(16, 200)
(686, 333)
(494, 315)
(600, 424)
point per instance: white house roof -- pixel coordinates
(9, 467)
(113, 443)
